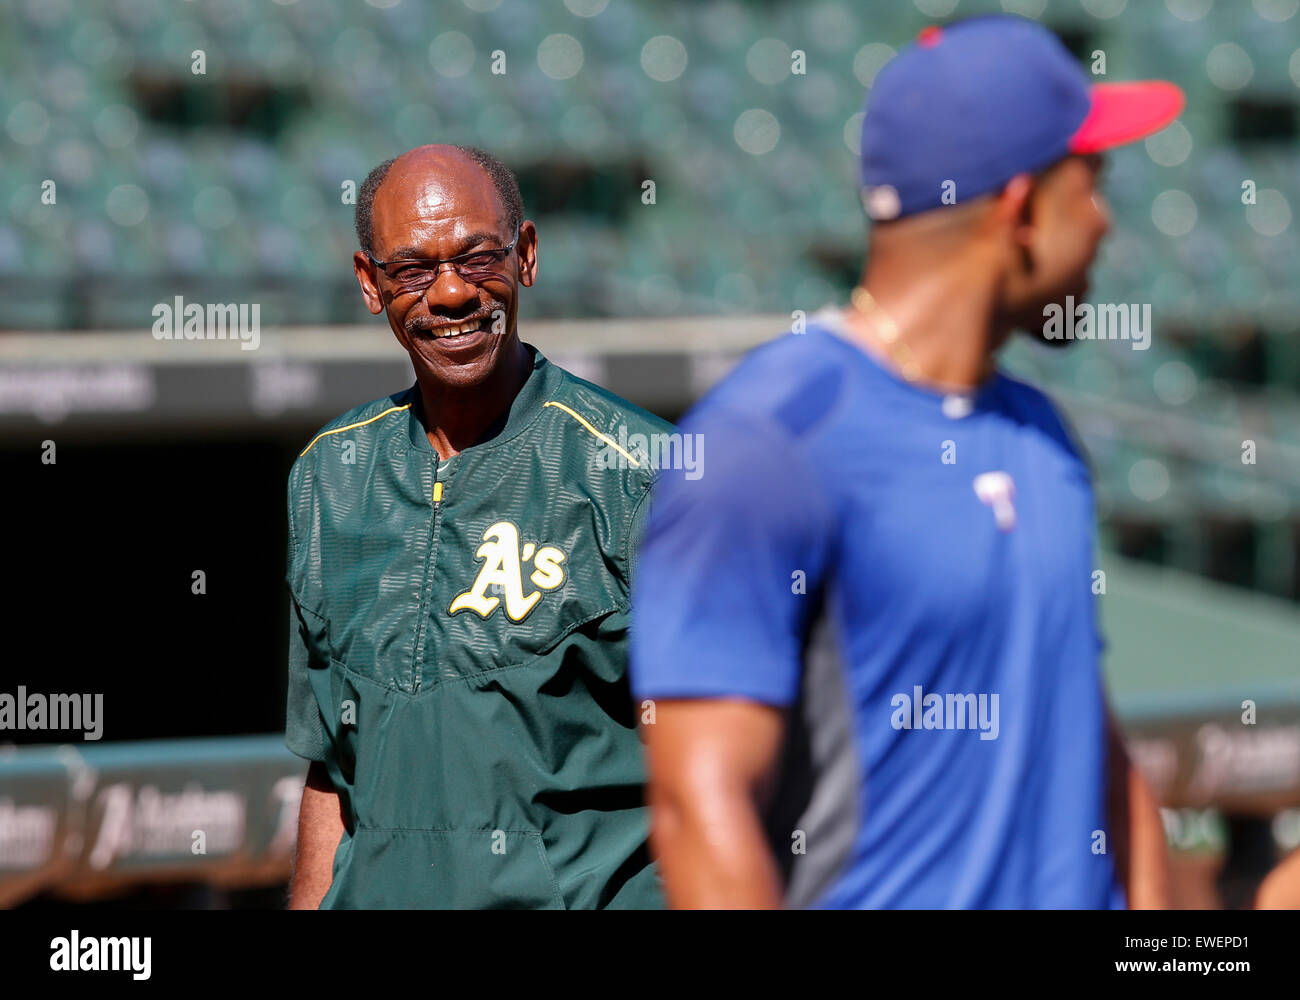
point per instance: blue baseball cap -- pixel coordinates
(966, 107)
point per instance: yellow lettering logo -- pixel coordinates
(503, 570)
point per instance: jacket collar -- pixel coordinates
(542, 381)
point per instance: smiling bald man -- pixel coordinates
(459, 566)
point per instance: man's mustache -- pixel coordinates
(424, 324)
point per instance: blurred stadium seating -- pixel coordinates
(228, 186)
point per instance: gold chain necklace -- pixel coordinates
(865, 303)
(889, 333)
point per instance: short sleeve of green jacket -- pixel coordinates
(304, 732)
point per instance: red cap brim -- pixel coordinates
(1126, 112)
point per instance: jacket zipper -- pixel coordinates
(433, 562)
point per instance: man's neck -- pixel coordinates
(456, 418)
(946, 324)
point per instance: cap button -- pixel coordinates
(929, 36)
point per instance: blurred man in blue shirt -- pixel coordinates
(868, 630)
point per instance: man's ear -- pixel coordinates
(1015, 209)
(527, 250)
(364, 271)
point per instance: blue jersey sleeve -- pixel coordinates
(730, 567)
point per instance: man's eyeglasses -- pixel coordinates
(410, 274)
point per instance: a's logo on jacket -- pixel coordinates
(502, 570)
